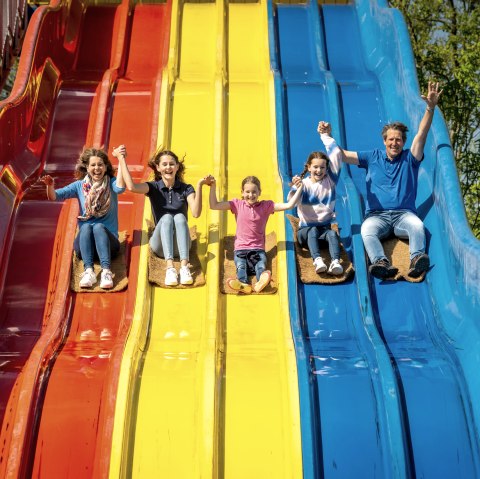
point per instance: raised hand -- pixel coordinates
(433, 94)
(324, 127)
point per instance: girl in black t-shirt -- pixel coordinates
(170, 198)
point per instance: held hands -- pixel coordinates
(324, 127)
(119, 151)
(433, 94)
(208, 180)
(47, 180)
(297, 182)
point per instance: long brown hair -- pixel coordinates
(84, 160)
(155, 161)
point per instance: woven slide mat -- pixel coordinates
(398, 253)
(229, 270)
(118, 268)
(157, 266)
(305, 267)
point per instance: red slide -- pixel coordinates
(88, 75)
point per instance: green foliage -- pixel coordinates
(445, 37)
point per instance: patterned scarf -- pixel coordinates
(97, 197)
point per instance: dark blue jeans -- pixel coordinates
(310, 237)
(95, 241)
(249, 260)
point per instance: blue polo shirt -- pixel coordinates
(110, 220)
(168, 200)
(391, 184)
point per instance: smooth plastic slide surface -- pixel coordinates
(369, 79)
(84, 379)
(260, 394)
(168, 369)
(68, 416)
(217, 382)
(348, 427)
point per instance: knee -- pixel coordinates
(180, 219)
(86, 231)
(417, 225)
(331, 235)
(99, 228)
(166, 221)
(369, 228)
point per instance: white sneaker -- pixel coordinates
(88, 278)
(335, 267)
(106, 281)
(185, 275)
(171, 277)
(320, 266)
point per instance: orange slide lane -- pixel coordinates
(66, 425)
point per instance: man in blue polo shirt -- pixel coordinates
(392, 176)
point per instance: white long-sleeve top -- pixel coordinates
(316, 206)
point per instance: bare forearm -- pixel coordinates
(51, 195)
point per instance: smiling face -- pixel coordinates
(393, 143)
(96, 168)
(250, 193)
(318, 169)
(167, 167)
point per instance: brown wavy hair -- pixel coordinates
(84, 160)
(155, 161)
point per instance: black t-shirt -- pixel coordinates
(168, 200)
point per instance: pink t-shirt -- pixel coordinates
(251, 223)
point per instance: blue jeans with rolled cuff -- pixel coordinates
(248, 262)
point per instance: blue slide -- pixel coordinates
(388, 371)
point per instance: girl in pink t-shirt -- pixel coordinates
(252, 216)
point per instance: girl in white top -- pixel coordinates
(316, 208)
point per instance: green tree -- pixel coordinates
(445, 37)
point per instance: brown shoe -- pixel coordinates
(236, 285)
(263, 281)
(419, 265)
(382, 269)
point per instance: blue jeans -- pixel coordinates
(402, 223)
(247, 260)
(162, 240)
(96, 241)
(310, 237)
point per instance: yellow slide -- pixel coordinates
(208, 385)
(260, 396)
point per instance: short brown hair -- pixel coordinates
(396, 125)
